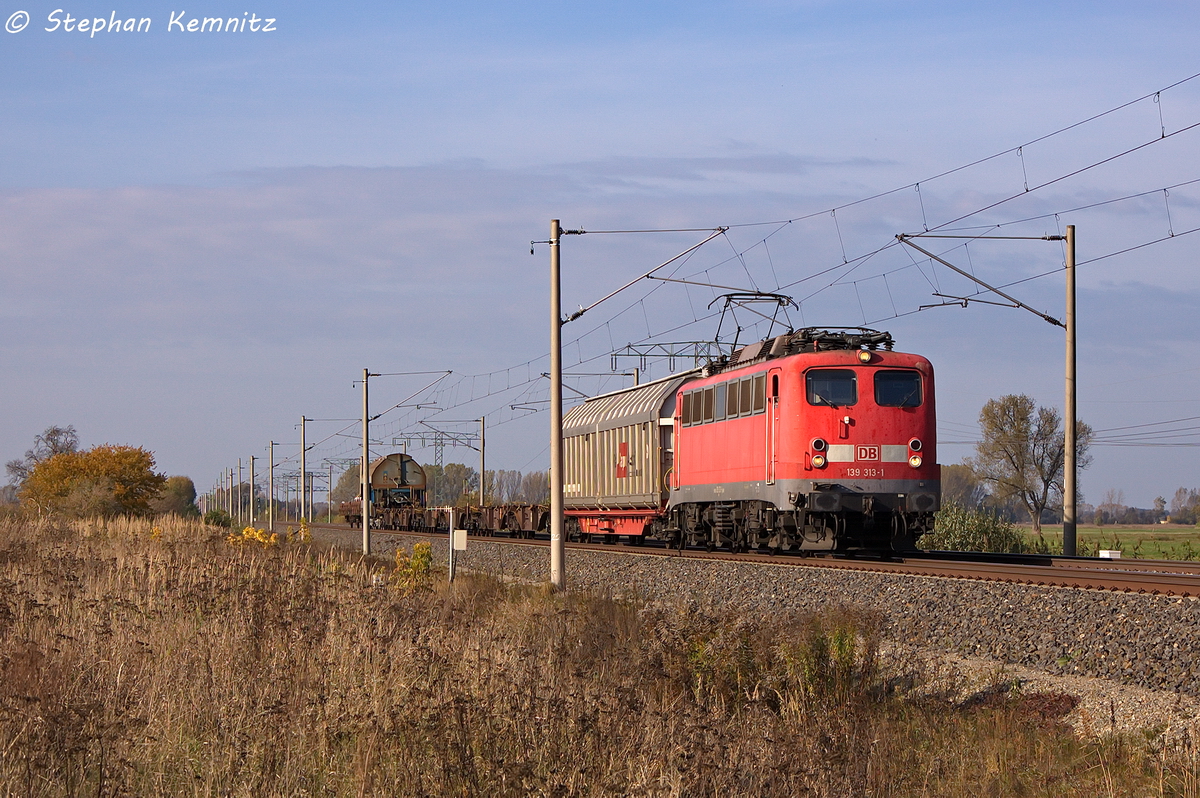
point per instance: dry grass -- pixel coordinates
(139, 664)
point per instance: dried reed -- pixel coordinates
(154, 658)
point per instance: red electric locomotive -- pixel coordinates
(813, 440)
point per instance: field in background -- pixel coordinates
(170, 660)
(1150, 542)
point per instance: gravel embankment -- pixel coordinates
(1045, 633)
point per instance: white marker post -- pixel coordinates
(450, 524)
(458, 540)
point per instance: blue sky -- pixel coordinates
(204, 236)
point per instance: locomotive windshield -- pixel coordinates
(832, 387)
(898, 389)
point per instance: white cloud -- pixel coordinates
(204, 318)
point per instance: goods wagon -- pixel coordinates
(397, 483)
(618, 452)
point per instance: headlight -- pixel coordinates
(818, 461)
(819, 445)
(915, 444)
(864, 356)
(915, 461)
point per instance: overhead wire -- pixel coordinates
(851, 264)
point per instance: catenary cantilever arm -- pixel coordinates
(904, 239)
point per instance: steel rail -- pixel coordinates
(1062, 561)
(1034, 570)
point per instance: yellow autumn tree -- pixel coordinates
(105, 480)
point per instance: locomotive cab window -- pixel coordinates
(832, 387)
(898, 388)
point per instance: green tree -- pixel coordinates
(961, 487)
(1021, 453)
(503, 486)
(105, 480)
(1112, 510)
(1184, 505)
(348, 486)
(178, 496)
(450, 485)
(1160, 508)
(535, 487)
(218, 517)
(507, 487)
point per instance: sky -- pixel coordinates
(207, 235)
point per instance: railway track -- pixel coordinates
(1156, 577)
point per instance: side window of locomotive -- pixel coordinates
(731, 400)
(760, 393)
(685, 415)
(832, 387)
(719, 402)
(747, 402)
(898, 388)
(707, 393)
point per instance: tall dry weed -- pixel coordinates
(140, 662)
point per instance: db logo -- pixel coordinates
(866, 453)
(622, 460)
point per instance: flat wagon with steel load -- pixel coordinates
(399, 501)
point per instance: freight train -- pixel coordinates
(816, 440)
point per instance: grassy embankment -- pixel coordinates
(172, 662)
(1152, 542)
